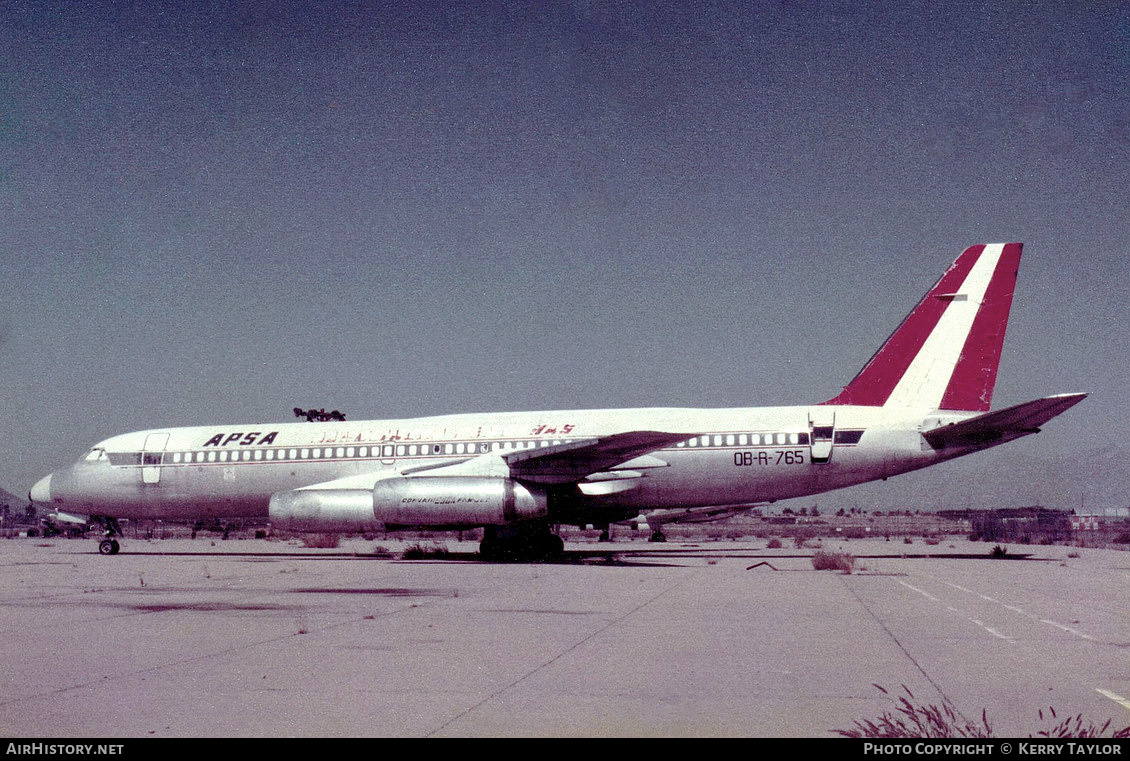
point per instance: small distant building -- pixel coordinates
(1016, 523)
(1098, 519)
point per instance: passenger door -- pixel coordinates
(822, 429)
(151, 457)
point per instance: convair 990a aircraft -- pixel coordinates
(923, 398)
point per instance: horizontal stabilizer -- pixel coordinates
(1002, 425)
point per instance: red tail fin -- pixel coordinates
(945, 353)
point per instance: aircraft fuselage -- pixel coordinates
(731, 456)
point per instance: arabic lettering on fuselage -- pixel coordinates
(259, 438)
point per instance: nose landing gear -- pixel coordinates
(109, 545)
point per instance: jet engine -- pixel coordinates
(422, 501)
(452, 502)
(317, 510)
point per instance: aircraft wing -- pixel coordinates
(1002, 425)
(574, 460)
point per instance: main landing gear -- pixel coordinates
(520, 542)
(109, 545)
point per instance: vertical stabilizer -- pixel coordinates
(945, 353)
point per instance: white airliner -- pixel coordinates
(923, 398)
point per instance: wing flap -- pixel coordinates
(1002, 425)
(573, 461)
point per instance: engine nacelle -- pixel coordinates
(324, 510)
(455, 502)
(424, 501)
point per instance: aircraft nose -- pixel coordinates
(41, 492)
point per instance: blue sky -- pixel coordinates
(217, 213)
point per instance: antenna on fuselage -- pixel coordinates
(318, 416)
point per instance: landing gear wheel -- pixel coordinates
(657, 536)
(520, 543)
(109, 547)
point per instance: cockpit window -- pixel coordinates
(95, 455)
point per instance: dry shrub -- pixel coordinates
(832, 561)
(774, 544)
(321, 541)
(421, 551)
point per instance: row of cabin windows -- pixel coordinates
(386, 451)
(389, 451)
(746, 440)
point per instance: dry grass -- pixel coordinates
(1075, 727)
(824, 560)
(910, 719)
